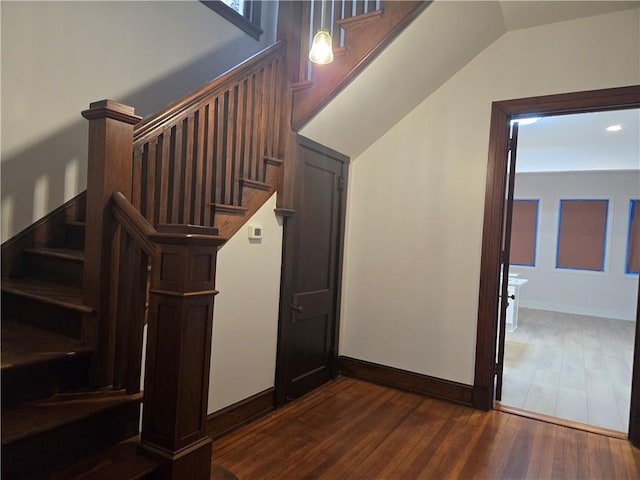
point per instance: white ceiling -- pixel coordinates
(580, 142)
(523, 14)
(352, 122)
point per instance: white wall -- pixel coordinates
(611, 293)
(245, 319)
(414, 225)
(57, 57)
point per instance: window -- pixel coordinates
(633, 239)
(524, 226)
(245, 14)
(582, 229)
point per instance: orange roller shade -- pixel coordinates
(582, 234)
(524, 225)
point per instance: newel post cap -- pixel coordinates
(111, 109)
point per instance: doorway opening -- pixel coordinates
(573, 278)
(493, 254)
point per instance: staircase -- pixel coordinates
(48, 406)
(79, 286)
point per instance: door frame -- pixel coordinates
(289, 256)
(501, 114)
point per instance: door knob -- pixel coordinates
(297, 308)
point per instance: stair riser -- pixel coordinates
(40, 381)
(74, 237)
(48, 317)
(34, 458)
(56, 270)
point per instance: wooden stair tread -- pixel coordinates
(119, 462)
(52, 293)
(359, 19)
(228, 209)
(29, 419)
(65, 253)
(246, 182)
(75, 224)
(24, 345)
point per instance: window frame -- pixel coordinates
(249, 22)
(606, 234)
(535, 232)
(633, 204)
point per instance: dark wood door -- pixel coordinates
(313, 246)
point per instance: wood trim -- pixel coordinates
(284, 212)
(250, 27)
(152, 125)
(502, 111)
(134, 223)
(228, 419)
(247, 182)
(49, 230)
(364, 44)
(405, 380)
(359, 19)
(560, 421)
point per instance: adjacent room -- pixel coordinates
(573, 277)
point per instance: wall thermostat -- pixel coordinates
(255, 232)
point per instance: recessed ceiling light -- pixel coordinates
(525, 121)
(614, 128)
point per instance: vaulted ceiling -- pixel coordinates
(444, 38)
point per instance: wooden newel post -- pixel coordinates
(109, 169)
(176, 385)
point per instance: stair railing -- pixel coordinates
(152, 190)
(330, 15)
(181, 295)
(197, 153)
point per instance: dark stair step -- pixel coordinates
(74, 235)
(44, 435)
(51, 306)
(59, 265)
(36, 363)
(121, 462)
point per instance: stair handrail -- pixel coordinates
(151, 125)
(134, 223)
(180, 293)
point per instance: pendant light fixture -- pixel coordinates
(321, 48)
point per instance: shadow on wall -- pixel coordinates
(44, 175)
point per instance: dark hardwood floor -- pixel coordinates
(353, 429)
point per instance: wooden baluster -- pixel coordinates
(264, 123)
(150, 187)
(187, 192)
(248, 130)
(276, 149)
(220, 148)
(271, 110)
(198, 214)
(176, 178)
(209, 168)
(163, 177)
(174, 428)
(257, 124)
(230, 144)
(132, 283)
(240, 143)
(136, 176)
(109, 169)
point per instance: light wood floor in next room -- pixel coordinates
(568, 366)
(349, 429)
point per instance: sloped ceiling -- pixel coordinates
(444, 38)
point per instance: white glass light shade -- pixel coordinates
(321, 49)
